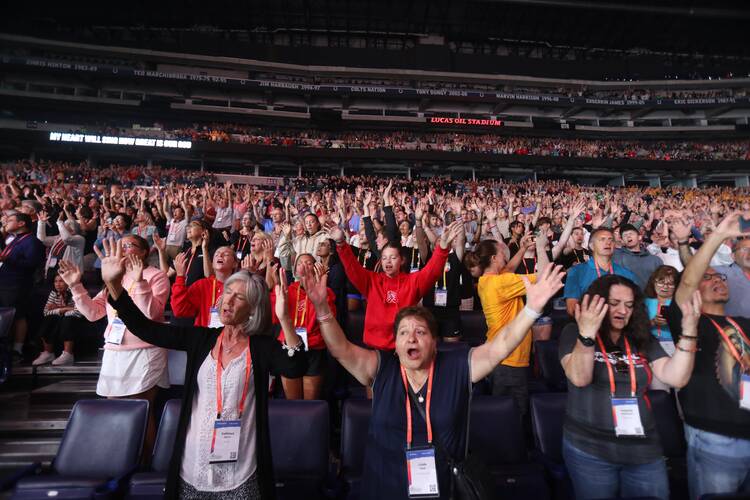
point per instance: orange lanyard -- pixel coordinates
(296, 309)
(219, 370)
(725, 337)
(190, 262)
(427, 409)
(598, 274)
(575, 253)
(631, 367)
(526, 267)
(213, 291)
(13, 245)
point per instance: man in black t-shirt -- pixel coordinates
(716, 408)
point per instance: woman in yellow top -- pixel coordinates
(502, 293)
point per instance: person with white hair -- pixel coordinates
(222, 448)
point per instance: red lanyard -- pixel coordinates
(728, 342)
(190, 262)
(598, 274)
(13, 245)
(56, 248)
(219, 370)
(631, 367)
(427, 409)
(244, 242)
(296, 309)
(213, 290)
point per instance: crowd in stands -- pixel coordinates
(655, 282)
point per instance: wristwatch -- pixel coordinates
(586, 341)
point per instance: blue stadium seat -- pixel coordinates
(547, 416)
(100, 448)
(496, 435)
(473, 327)
(355, 326)
(6, 362)
(545, 352)
(299, 447)
(150, 485)
(355, 422)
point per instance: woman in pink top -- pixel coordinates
(131, 368)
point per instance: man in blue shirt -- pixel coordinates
(580, 276)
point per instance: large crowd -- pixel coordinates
(655, 282)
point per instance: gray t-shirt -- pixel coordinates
(589, 425)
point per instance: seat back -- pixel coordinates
(547, 416)
(668, 423)
(165, 436)
(505, 444)
(176, 364)
(103, 438)
(355, 423)
(473, 327)
(355, 326)
(299, 438)
(549, 364)
(6, 320)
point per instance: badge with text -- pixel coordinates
(627, 417)
(226, 443)
(214, 321)
(441, 297)
(421, 473)
(116, 332)
(52, 262)
(239, 255)
(302, 332)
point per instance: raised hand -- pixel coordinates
(281, 290)
(181, 263)
(335, 233)
(680, 228)
(159, 242)
(134, 265)
(205, 239)
(548, 282)
(577, 208)
(729, 227)
(589, 314)
(267, 248)
(316, 289)
(113, 262)
(691, 313)
(249, 264)
(450, 233)
(43, 216)
(70, 273)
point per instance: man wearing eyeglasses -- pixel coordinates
(716, 400)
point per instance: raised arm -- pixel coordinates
(579, 364)
(573, 214)
(486, 357)
(696, 268)
(361, 363)
(676, 371)
(358, 275)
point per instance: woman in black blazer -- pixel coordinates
(222, 447)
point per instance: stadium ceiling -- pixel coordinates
(716, 27)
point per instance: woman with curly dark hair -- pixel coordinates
(610, 442)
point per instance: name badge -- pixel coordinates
(421, 473)
(627, 417)
(52, 262)
(116, 332)
(745, 392)
(668, 347)
(239, 255)
(441, 297)
(447, 267)
(414, 269)
(302, 332)
(214, 321)
(227, 444)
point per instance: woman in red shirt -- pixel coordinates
(391, 290)
(302, 313)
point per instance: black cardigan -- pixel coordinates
(267, 356)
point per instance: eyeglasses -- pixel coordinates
(665, 284)
(710, 277)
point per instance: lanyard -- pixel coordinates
(190, 262)
(578, 259)
(213, 291)
(244, 242)
(728, 342)
(631, 367)
(526, 267)
(427, 409)
(596, 266)
(445, 279)
(296, 309)
(56, 248)
(414, 257)
(130, 292)
(13, 245)
(219, 370)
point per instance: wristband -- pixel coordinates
(531, 313)
(689, 337)
(693, 350)
(325, 317)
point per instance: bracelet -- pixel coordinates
(325, 317)
(531, 313)
(693, 350)
(689, 337)
(291, 351)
